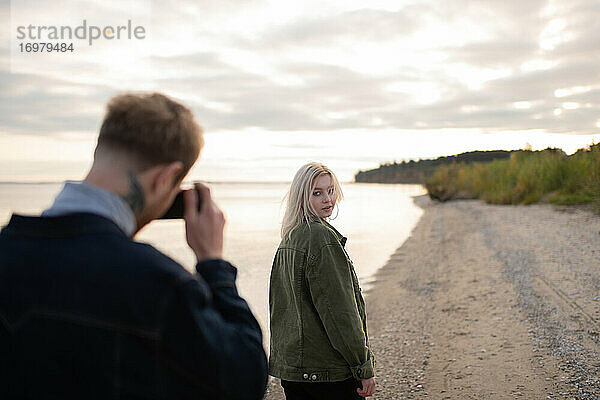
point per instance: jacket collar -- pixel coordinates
(340, 237)
(78, 197)
(63, 226)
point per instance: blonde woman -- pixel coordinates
(319, 343)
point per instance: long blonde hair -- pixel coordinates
(298, 206)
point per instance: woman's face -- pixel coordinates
(323, 196)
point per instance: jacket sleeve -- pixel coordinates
(211, 339)
(330, 284)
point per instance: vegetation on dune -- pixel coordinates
(526, 177)
(419, 171)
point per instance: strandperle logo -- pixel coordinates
(83, 32)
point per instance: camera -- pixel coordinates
(176, 209)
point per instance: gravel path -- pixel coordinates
(489, 302)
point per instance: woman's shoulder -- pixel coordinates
(316, 232)
(311, 237)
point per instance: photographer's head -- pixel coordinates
(146, 146)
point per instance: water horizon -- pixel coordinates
(376, 219)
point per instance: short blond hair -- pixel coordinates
(151, 128)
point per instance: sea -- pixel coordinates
(376, 219)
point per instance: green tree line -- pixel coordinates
(420, 171)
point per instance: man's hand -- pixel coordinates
(368, 387)
(204, 229)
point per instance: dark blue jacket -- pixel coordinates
(85, 312)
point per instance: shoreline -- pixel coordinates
(487, 301)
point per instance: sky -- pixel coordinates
(275, 84)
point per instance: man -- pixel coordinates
(86, 312)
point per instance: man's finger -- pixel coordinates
(190, 199)
(204, 190)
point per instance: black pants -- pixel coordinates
(344, 390)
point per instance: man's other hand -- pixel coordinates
(204, 229)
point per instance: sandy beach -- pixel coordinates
(489, 302)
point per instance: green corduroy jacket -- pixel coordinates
(318, 319)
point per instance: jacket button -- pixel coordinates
(313, 377)
(305, 376)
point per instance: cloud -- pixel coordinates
(461, 64)
(364, 24)
(235, 99)
(37, 105)
(493, 54)
(582, 22)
